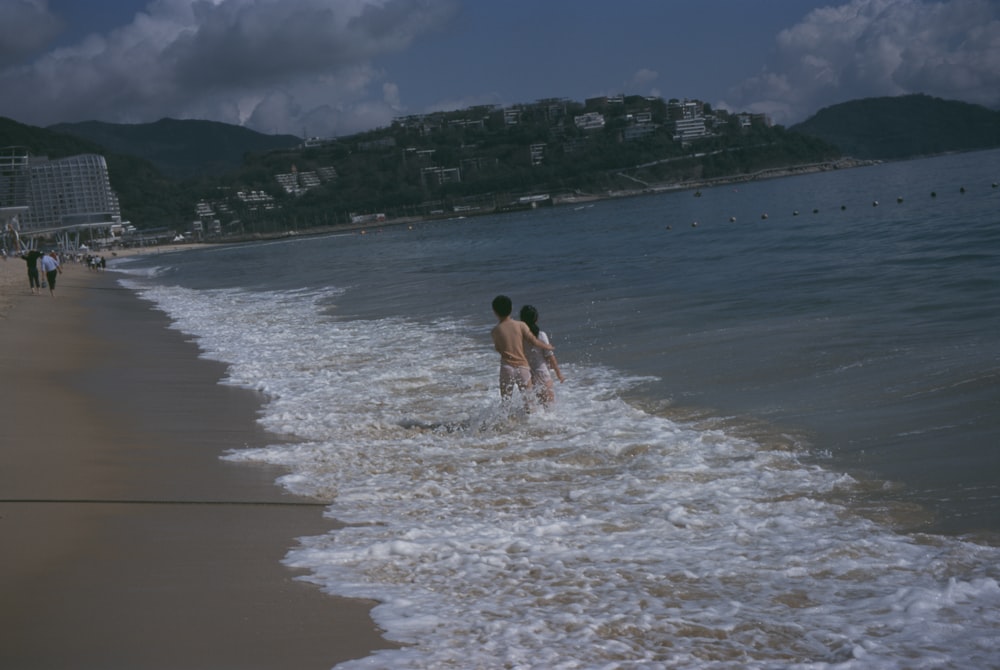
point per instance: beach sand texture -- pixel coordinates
(126, 541)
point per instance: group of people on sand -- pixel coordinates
(526, 355)
(95, 262)
(50, 266)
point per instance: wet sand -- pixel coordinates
(127, 542)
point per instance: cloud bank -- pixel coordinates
(871, 48)
(273, 65)
(25, 27)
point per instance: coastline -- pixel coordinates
(559, 200)
(130, 543)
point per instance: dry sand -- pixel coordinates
(127, 542)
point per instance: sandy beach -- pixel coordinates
(127, 542)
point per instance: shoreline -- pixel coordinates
(131, 543)
(563, 200)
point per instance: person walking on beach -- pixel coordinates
(51, 266)
(509, 337)
(31, 258)
(540, 360)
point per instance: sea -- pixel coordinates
(777, 444)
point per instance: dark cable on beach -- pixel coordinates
(80, 501)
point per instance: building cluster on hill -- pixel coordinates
(297, 183)
(634, 117)
(454, 154)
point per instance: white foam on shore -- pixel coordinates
(592, 535)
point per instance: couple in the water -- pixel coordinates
(526, 356)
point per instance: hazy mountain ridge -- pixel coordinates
(180, 148)
(903, 127)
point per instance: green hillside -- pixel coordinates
(484, 158)
(180, 149)
(42, 142)
(904, 127)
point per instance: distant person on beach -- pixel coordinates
(540, 360)
(51, 266)
(509, 337)
(31, 258)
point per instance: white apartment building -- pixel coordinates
(589, 121)
(686, 130)
(62, 196)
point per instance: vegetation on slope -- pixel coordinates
(904, 127)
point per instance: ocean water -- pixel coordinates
(776, 446)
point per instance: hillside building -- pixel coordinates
(589, 121)
(689, 120)
(537, 152)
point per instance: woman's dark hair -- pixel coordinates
(530, 316)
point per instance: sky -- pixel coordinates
(327, 68)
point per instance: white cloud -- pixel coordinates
(868, 48)
(271, 64)
(642, 80)
(390, 93)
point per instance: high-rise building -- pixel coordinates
(58, 197)
(14, 182)
(14, 177)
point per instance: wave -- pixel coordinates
(594, 534)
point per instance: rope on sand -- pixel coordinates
(220, 503)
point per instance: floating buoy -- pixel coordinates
(694, 224)
(815, 211)
(670, 227)
(933, 194)
(899, 199)
(732, 219)
(795, 212)
(994, 184)
(843, 207)
(961, 190)
(874, 203)
(764, 215)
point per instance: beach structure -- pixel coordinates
(58, 198)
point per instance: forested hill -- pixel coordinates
(144, 193)
(42, 142)
(180, 148)
(903, 127)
